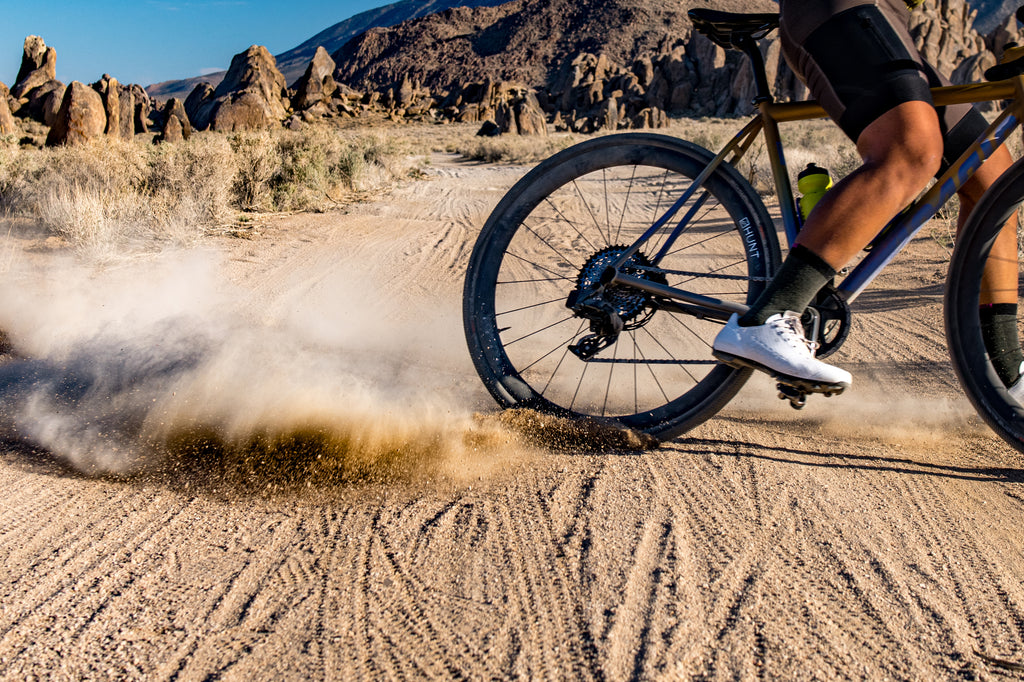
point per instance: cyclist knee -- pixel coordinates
(907, 164)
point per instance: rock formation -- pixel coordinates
(110, 92)
(81, 117)
(38, 67)
(7, 123)
(317, 85)
(42, 103)
(176, 125)
(521, 67)
(252, 96)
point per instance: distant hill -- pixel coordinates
(524, 40)
(293, 63)
(561, 34)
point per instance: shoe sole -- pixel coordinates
(800, 384)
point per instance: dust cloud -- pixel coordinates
(875, 407)
(160, 363)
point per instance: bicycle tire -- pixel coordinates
(961, 307)
(531, 253)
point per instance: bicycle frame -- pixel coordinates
(889, 242)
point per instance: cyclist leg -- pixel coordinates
(860, 63)
(998, 300)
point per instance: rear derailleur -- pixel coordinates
(605, 325)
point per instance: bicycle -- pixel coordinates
(599, 281)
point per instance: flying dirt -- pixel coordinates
(272, 457)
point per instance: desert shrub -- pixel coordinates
(189, 185)
(320, 167)
(517, 149)
(257, 161)
(109, 193)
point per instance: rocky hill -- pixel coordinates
(524, 40)
(293, 63)
(524, 67)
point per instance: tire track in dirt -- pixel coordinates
(765, 544)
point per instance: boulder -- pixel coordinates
(317, 85)
(246, 110)
(195, 104)
(143, 107)
(176, 126)
(7, 123)
(126, 112)
(252, 96)
(110, 92)
(38, 66)
(43, 102)
(174, 131)
(81, 117)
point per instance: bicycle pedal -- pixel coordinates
(797, 398)
(807, 386)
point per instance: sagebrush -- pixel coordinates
(111, 192)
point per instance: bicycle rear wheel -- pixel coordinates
(963, 291)
(559, 227)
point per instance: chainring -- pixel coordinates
(834, 324)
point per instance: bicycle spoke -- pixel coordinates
(561, 359)
(539, 266)
(650, 368)
(548, 244)
(528, 307)
(531, 281)
(608, 388)
(625, 204)
(576, 394)
(695, 334)
(593, 217)
(543, 329)
(670, 355)
(710, 272)
(570, 224)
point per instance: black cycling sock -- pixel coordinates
(999, 331)
(800, 278)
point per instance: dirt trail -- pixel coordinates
(874, 535)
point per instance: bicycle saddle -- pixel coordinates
(730, 30)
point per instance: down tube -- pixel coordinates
(898, 233)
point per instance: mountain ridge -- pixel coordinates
(292, 63)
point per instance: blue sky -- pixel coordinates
(148, 41)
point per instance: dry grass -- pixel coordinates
(110, 196)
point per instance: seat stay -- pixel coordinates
(737, 146)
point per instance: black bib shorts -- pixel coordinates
(859, 61)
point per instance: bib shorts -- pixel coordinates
(859, 61)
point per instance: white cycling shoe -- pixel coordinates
(780, 348)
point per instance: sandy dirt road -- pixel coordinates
(871, 536)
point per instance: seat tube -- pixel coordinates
(780, 174)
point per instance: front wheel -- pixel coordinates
(630, 356)
(970, 358)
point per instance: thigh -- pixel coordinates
(859, 61)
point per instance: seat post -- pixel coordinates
(750, 48)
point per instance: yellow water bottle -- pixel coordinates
(812, 182)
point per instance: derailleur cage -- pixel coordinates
(605, 326)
